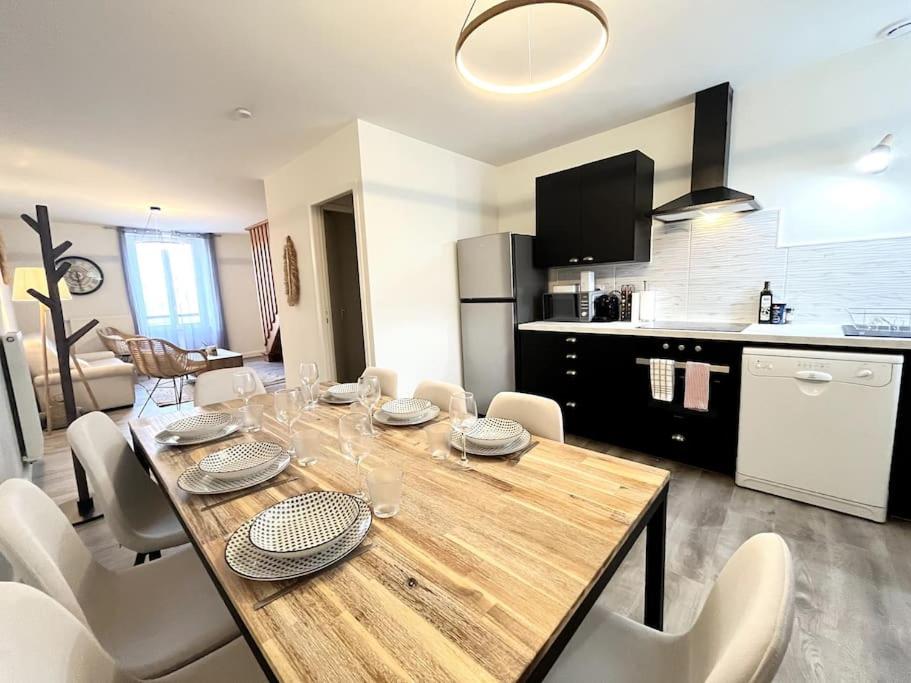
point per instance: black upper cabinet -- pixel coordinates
(596, 213)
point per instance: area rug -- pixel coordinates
(271, 374)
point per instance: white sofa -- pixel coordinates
(111, 379)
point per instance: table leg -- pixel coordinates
(655, 534)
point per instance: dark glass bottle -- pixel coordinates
(765, 305)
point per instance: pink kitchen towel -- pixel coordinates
(696, 393)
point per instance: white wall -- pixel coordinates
(418, 200)
(795, 141)
(323, 172)
(109, 304)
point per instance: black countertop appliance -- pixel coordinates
(607, 308)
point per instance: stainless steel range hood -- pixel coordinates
(709, 194)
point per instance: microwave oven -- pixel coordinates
(570, 306)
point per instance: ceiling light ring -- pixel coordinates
(504, 6)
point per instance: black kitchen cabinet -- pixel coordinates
(596, 213)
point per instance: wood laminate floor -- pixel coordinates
(853, 577)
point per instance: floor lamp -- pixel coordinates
(34, 278)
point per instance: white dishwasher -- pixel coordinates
(818, 426)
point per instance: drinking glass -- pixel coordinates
(354, 442)
(463, 416)
(385, 486)
(309, 376)
(287, 407)
(305, 445)
(438, 440)
(244, 385)
(368, 391)
(250, 417)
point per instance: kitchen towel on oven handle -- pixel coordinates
(661, 378)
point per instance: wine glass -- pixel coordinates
(309, 376)
(244, 385)
(368, 391)
(354, 442)
(463, 416)
(287, 408)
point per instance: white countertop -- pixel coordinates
(793, 333)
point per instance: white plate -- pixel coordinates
(333, 400)
(303, 525)
(348, 390)
(390, 421)
(513, 446)
(405, 408)
(239, 461)
(194, 481)
(491, 432)
(244, 559)
(166, 438)
(198, 425)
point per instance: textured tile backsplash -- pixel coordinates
(715, 271)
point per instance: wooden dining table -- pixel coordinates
(483, 575)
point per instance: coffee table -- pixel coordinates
(224, 359)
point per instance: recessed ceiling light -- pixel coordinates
(896, 30)
(242, 113)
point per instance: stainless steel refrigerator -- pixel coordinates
(499, 288)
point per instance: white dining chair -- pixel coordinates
(389, 380)
(740, 636)
(438, 393)
(216, 386)
(135, 508)
(153, 619)
(42, 641)
(540, 416)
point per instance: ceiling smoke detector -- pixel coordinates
(896, 30)
(243, 113)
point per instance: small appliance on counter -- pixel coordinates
(570, 307)
(607, 308)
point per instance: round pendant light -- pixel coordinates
(568, 41)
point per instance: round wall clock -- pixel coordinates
(84, 275)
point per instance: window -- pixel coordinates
(173, 287)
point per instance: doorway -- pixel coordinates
(343, 276)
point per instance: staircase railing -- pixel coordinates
(265, 285)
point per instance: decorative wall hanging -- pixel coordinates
(84, 276)
(292, 279)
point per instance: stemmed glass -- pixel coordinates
(287, 408)
(244, 385)
(368, 391)
(463, 416)
(309, 376)
(354, 443)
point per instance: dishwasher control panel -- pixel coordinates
(820, 370)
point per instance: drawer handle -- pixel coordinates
(588, 258)
(570, 404)
(570, 356)
(679, 438)
(571, 373)
(574, 260)
(570, 340)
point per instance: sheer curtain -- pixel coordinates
(172, 283)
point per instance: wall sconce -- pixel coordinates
(877, 159)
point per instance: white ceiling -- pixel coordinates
(108, 106)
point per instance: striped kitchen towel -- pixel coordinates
(696, 392)
(661, 376)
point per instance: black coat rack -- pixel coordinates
(84, 505)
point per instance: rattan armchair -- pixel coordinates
(160, 359)
(115, 341)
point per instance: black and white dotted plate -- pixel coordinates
(244, 559)
(492, 432)
(195, 481)
(304, 524)
(391, 421)
(343, 391)
(405, 408)
(240, 460)
(197, 425)
(166, 438)
(516, 445)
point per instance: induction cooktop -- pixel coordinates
(695, 326)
